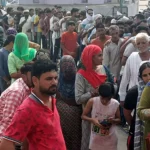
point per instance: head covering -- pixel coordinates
(113, 21)
(88, 19)
(88, 73)
(21, 48)
(124, 19)
(97, 16)
(67, 71)
(11, 31)
(68, 12)
(26, 11)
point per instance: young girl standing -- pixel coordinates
(104, 116)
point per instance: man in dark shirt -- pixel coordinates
(129, 106)
(4, 52)
(17, 18)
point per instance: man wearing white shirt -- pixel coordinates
(25, 23)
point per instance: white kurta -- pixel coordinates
(130, 74)
(27, 25)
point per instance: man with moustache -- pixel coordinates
(37, 118)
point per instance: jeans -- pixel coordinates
(44, 42)
(51, 44)
(39, 34)
(35, 37)
(56, 49)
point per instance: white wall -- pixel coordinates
(54, 2)
(133, 9)
(105, 9)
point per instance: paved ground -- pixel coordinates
(122, 139)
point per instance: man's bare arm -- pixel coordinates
(7, 145)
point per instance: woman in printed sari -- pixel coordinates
(89, 77)
(69, 111)
(143, 112)
(131, 102)
(21, 55)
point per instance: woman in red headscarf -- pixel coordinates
(89, 77)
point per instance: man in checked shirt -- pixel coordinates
(13, 96)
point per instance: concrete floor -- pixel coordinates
(122, 139)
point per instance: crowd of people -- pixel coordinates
(67, 78)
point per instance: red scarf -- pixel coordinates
(89, 74)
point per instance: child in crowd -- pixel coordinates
(69, 43)
(105, 115)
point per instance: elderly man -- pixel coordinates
(25, 23)
(111, 52)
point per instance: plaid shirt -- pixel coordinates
(10, 99)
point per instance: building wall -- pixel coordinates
(133, 8)
(54, 2)
(105, 9)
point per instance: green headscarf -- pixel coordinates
(21, 48)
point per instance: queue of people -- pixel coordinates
(68, 78)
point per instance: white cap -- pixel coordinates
(113, 21)
(124, 19)
(26, 11)
(97, 16)
(68, 12)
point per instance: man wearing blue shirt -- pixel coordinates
(4, 52)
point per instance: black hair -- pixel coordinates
(120, 23)
(71, 23)
(106, 90)
(43, 66)
(36, 9)
(48, 11)
(9, 10)
(73, 10)
(133, 26)
(129, 22)
(140, 28)
(89, 10)
(57, 6)
(143, 67)
(41, 12)
(20, 8)
(100, 25)
(83, 13)
(27, 67)
(10, 38)
(144, 21)
(53, 9)
(42, 54)
(31, 9)
(140, 16)
(108, 19)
